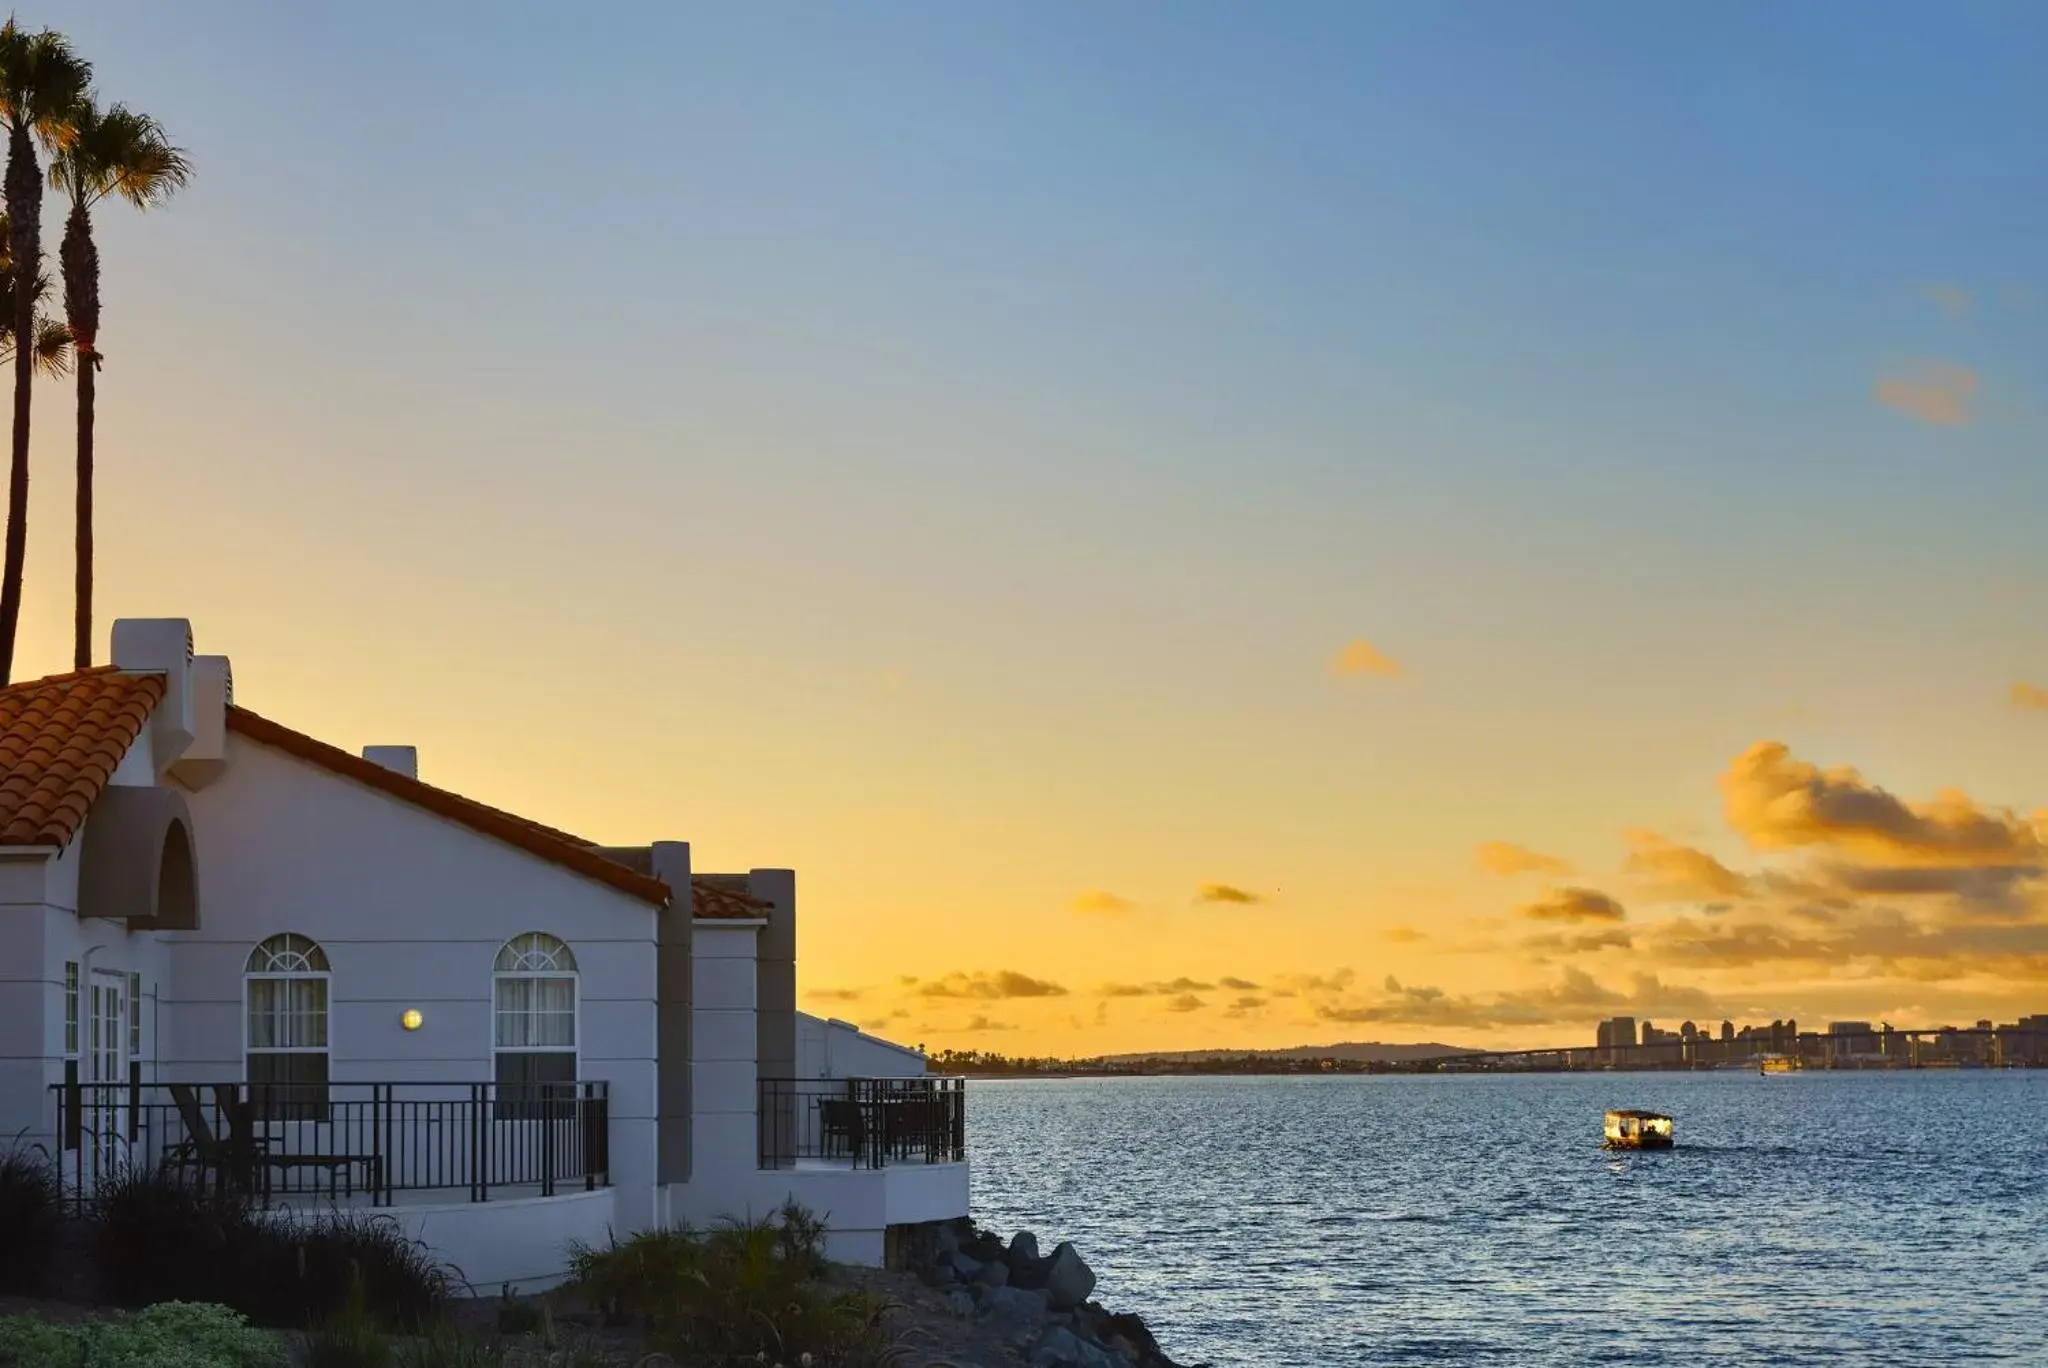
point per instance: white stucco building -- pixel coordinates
(266, 960)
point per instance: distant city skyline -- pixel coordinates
(1187, 527)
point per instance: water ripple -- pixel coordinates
(1328, 1222)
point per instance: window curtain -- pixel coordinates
(287, 1014)
(536, 1014)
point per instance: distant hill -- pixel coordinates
(1363, 1052)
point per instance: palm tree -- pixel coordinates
(53, 339)
(115, 152)
(43, 84)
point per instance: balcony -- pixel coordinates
(375, 1144)
(862, 1123)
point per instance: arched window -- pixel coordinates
(534, 1013)
(287, 1034)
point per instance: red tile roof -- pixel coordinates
(571, 852)
(62, 737)
(60, 740)
(724, 897)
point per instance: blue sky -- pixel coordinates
(985, 421)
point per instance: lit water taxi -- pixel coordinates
(1782, 1064)
(1638, 1130)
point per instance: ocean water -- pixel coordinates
(1817, 1218)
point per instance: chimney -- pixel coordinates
(213, 693)
(403, 760)
(161, 646)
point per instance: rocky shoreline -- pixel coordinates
(1037, 1308)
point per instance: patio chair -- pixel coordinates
(842, 1122)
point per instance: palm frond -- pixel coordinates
(53, 347)
(118, 151)
(43, 83)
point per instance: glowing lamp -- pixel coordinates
(412, 1019)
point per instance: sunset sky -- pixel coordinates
(1186, 525)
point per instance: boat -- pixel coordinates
(1638, 1130)
(1782, 1064)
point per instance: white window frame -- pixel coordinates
(309, 952)
(72, 1018)
(562, 965)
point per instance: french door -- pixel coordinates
(106, 1069)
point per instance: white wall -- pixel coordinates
(40, 933)
(858, 1205)
(831, 1048)
(411, 910)
(521, 1241)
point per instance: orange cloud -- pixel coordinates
(1165, 987)
(1186, 1002)
(1576, 996)
(1937, 392)
(1404, 935)
(836, 994)
(1575, 905)
(2030, 696)
(1676, 871)
(1779, 802)
(1580, 942)
(1225, 893)
(1507, 858)
(1362, 658)
(1242, 985)
(987, 987)
(1096, 901)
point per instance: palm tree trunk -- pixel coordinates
(81, 626)
(24, 191)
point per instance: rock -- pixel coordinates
(1060, 1347)
(1132, 1328)
(995, 1274)
(960, 1302)
(1014, 1303)
(946, 1242)
(1068, 1279)
(935, 1275)
(1029, 1273)
(1023, 1249)
(985, 1246)
(965, 1267)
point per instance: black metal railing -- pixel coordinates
(865, 1122)
(369, 1140)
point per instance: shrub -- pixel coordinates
(400, 1277)
(31, 1208)
(631, 1281)
(746, 1292)
(172, 1335)
(161, 1239)
(349, 1337)
(516, 1317)
(444, 1348)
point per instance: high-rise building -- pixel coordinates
(1688, 1032)
(1727, 1030)
(1617, 1033)
(1848, 1038)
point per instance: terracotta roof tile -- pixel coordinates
(724, 897)
(60, 741)
(571, 852)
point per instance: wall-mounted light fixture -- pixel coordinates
(412, 1019)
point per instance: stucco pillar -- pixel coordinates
(775, 998)
(724, 1145)
(671, 864)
